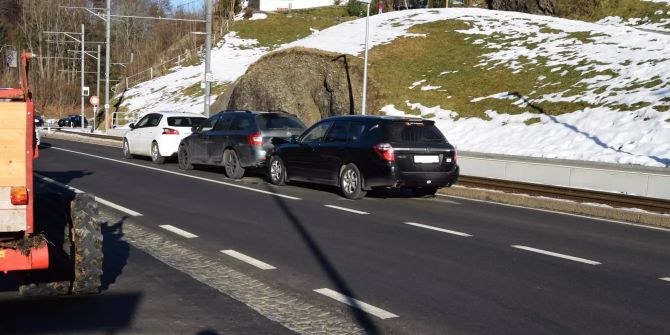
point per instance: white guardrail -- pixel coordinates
(636, 180)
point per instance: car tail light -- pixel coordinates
(19, 196)
(255, 139)
(385, 151)
(455, 155)
(170, 131)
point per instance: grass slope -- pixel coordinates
(281, 28)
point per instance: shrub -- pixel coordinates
(248, 13)
(355, 8)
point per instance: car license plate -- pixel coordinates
(426, 159)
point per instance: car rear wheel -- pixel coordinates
(231, 164)
(156, 157)
(126, 150)
(184, 159)
(277, 171)
(351, 182)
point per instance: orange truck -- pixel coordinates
(25, 245)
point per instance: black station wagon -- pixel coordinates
(359, 153)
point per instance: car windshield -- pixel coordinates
(273, 122)
(184, 121)
(413, 132)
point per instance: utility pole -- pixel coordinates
(208, 56)
(83, 54)
(365, 69)
(108, 23)
(97, 88)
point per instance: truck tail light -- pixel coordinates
(385, 151)
(256, 139)
(170, 131)
(19, 196)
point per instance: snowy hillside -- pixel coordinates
(626, 83)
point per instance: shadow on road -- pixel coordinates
(336, 279)
(110, 313)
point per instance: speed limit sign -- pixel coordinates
(94, 100)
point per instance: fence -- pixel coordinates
(156, 70)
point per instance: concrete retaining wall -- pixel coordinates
(633, 180)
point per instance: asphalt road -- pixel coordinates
(435, 266)
(139, 294)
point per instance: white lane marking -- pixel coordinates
(250, 260)
(549, 253)
(180, 174)
(376, 311)
(561, 213)
(98, 199)
(180, 232)
(665, 278)
(438, 229)
(347, 209)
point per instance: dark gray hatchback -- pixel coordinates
(236, 140)
(359, 153)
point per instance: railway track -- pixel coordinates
(579, 195)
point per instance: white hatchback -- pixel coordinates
(158, 134)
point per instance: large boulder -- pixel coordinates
(546, 7)
(313, 84)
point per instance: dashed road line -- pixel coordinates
(665, 278)
(453, 232)
(347, 209)
(249, 260)
(555, 254)
(98, 199)
(376, 311)
(180, 174)
(180, 232)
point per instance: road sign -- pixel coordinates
(94, 100)
(85, 91)
(209, 77)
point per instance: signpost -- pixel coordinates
(94, 100)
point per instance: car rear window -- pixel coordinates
(413, 132)
(272, 122)
(184, 121)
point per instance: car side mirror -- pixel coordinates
(194, 129)
(132, 126)
(294, 139)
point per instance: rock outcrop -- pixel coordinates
(312, 84)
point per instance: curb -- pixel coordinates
(561, 205)
(83, 138)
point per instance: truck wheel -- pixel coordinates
(76, 259)
(87, 245)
